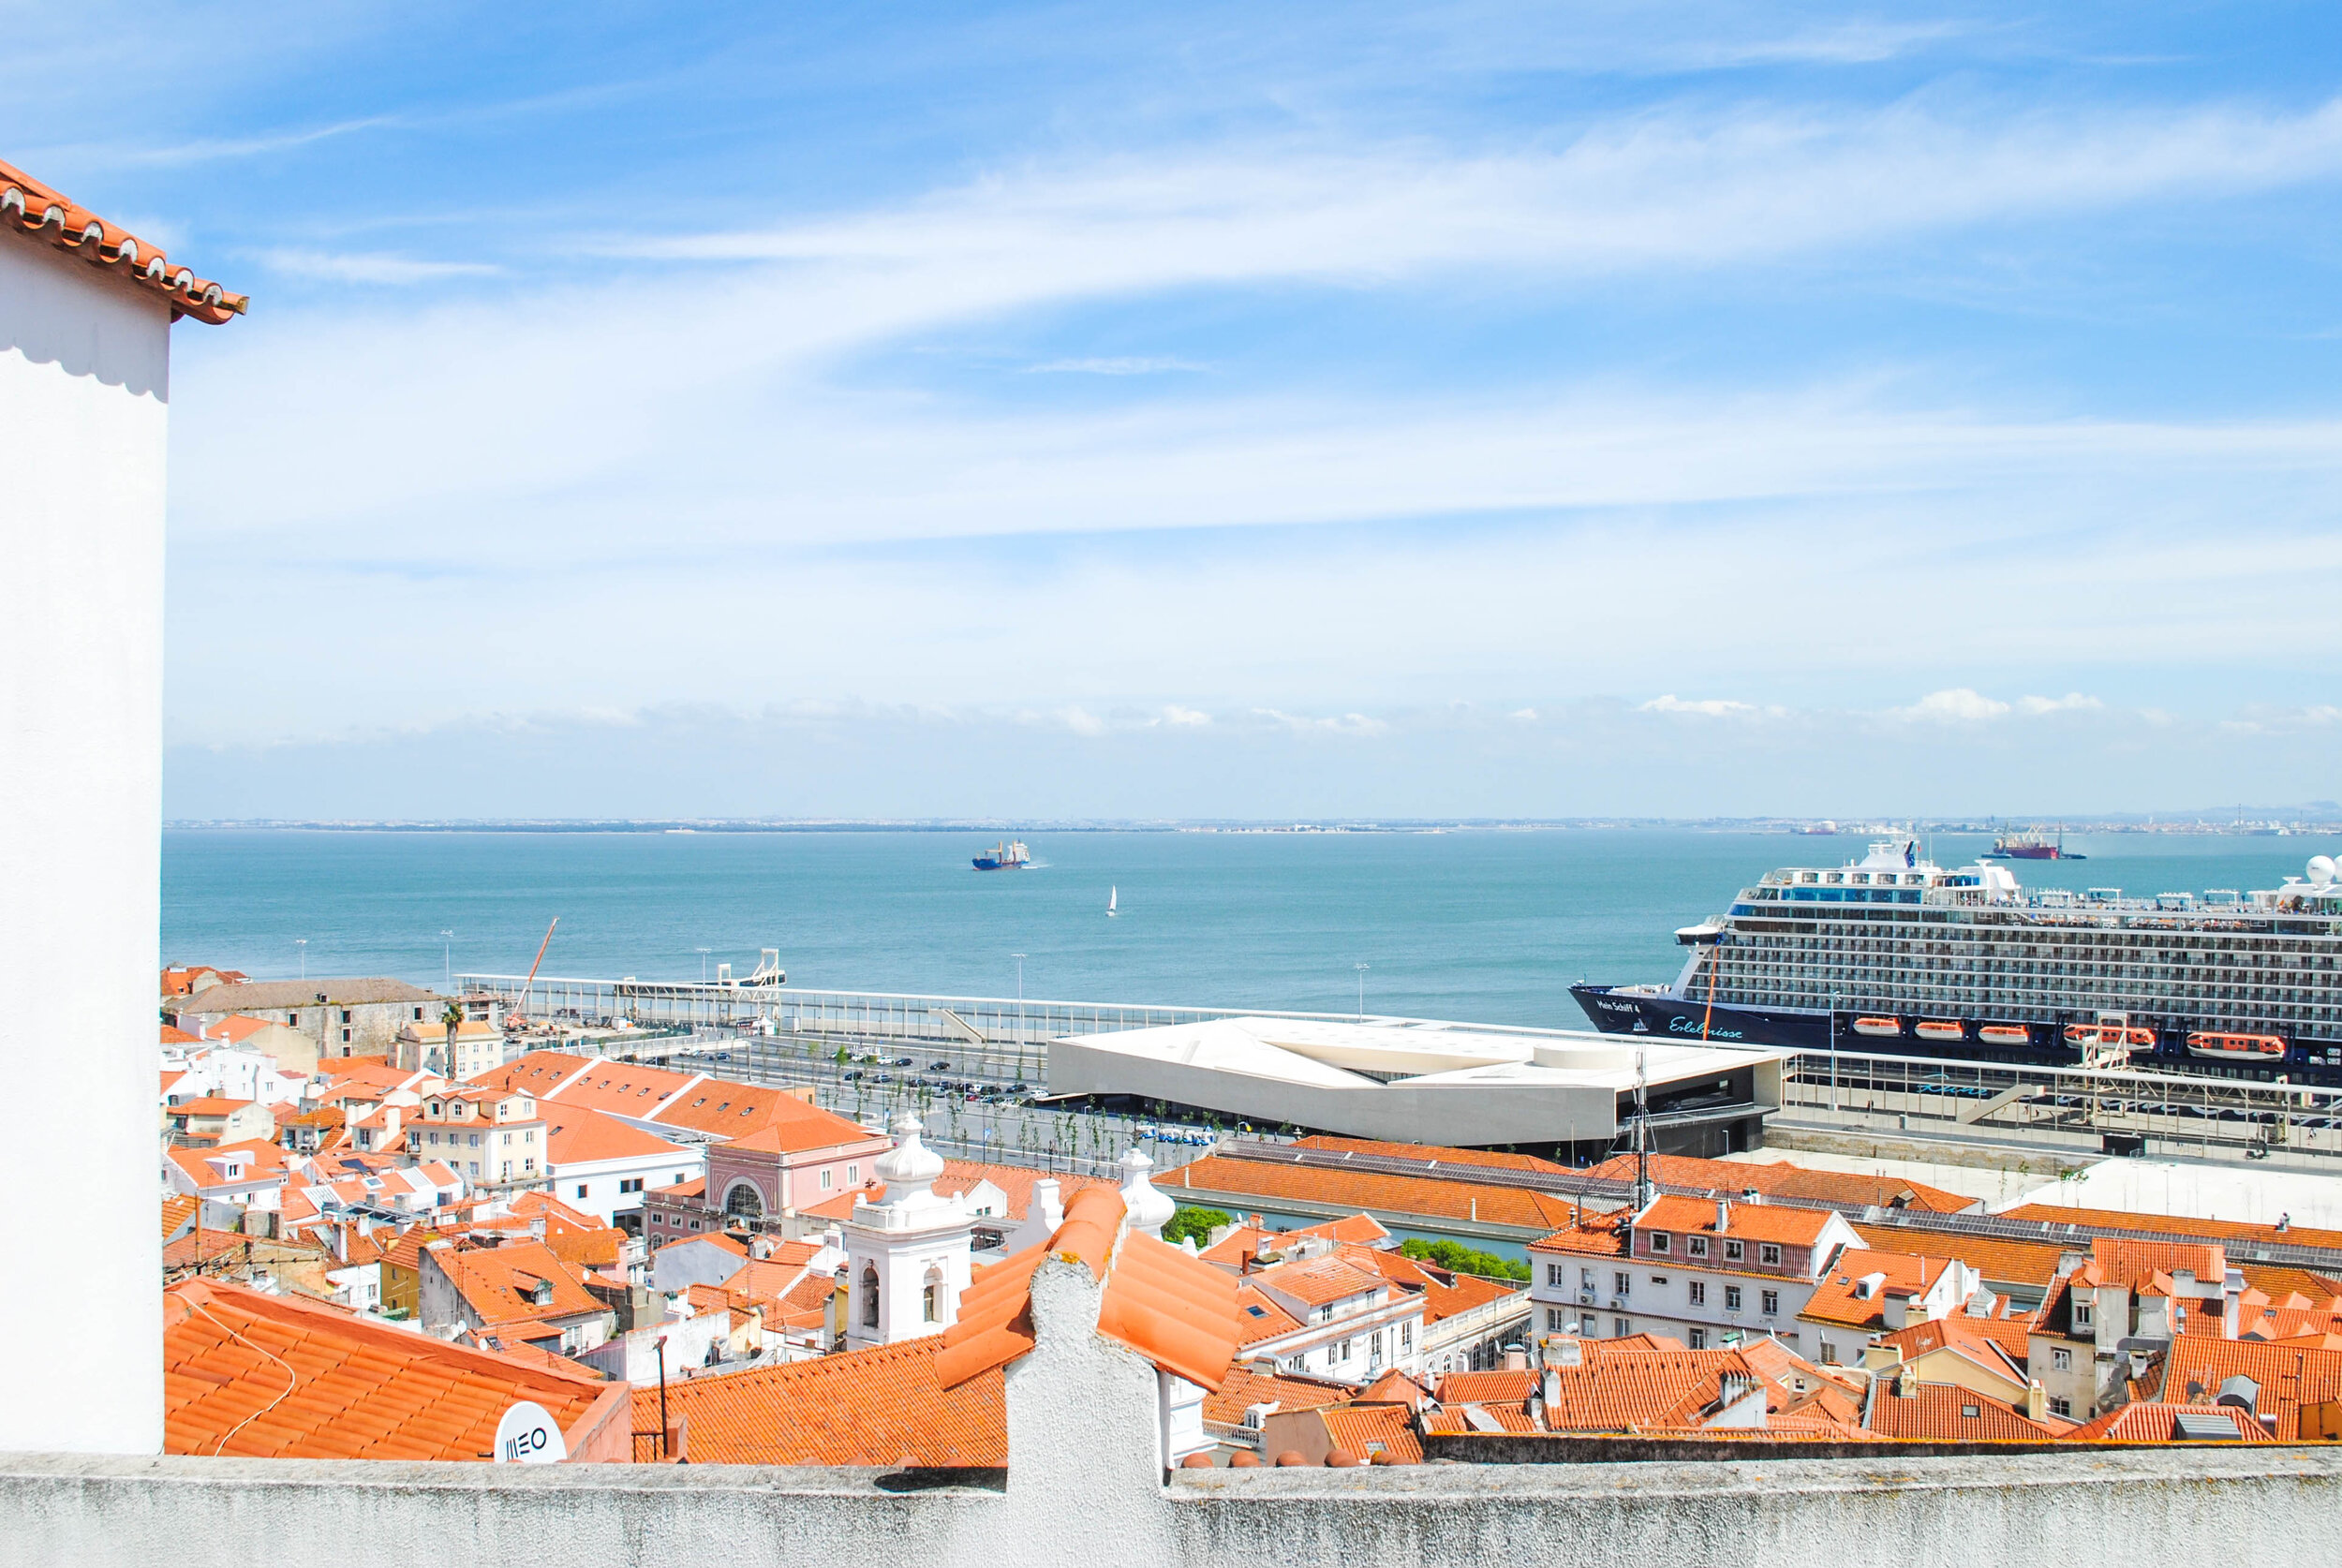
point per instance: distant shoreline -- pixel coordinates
(2268, 824)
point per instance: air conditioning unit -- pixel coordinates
(1585, 1298)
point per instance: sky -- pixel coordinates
(1049, 410)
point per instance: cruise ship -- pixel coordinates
(1893, 954)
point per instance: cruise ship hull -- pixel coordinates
(1623, 1010)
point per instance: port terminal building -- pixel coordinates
(1566, 1095)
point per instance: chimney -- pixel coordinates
(1750, 1195)
(1907, 1385)
(2036, 1402)
(1723, 1215)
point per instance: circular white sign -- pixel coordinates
(528, 1436)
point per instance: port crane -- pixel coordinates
(518, 1018)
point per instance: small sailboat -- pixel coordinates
(1111, 893)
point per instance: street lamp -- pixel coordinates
(303, 944)
(447, 957)
(703, 952)
(1362, 969)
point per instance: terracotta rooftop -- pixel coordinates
(285, 996)
(1744, 1221)
(1782, 1179)
(577, 1136)
(178, 1213)
(2029, 1263)
(885, 1406)
(1215, 1182)
(499, 1283)
(1243, 1389)
(1597, 1235)
(1367, 1432)
(1638, 1391)
(1838, 1297)
(1318, 1281)
(1259, 1317)
(1179, 1312)
(1942, 1412)
(2175, 1225)
(2287, 1376)
(281, 1377)
(1495, 1159)
(2149, 1422)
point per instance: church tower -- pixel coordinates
(907, 1255)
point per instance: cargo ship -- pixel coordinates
(1896, 955)
(2035, 845)
(1010, 856)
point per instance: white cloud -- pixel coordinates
(397, 271)
(1706, 707)
(1081, 721)
(1339, 724)
(1128, 366)
(1185, 719)
(1525, 716)
(1957, 705)
(2073, 702)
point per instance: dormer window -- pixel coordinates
(1769, 1253)
(2081, 1314)
(1658, 1241)
(1698, 1245)
(1733, 1252)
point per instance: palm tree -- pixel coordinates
(453, 1017)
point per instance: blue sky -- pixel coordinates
(1040, 410)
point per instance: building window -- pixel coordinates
(1769, 1302)
(2061, 1407)
(1734, 1251)
(1406, 1337)
(346, 1019)
(1619, 1284)
(1658, 1241)
(869, 1296)
(2081, 1314)
(1554, 1317)
(1556, 1277)
(581, 1189)
(743, 1199)
(345, 1037)
(1699, 1339)
(825, 1178)
(1828, 1353)
(1699, 1289)
(931, 1298)
(1731, 1298)
(1620, 1327)
(854, 1176)
(1769, 1253)
(2062, 1360)
(1585, 1278)
(1698, 1245)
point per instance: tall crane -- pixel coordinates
(520, 1015)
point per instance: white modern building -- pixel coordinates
(86, 316)
(1430, 1082)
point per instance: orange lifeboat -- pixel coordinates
(1879, 1028)
(2136, 1037)
(1939, 1029)
(2004, 1034)
(2233, 1046)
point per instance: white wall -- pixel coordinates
(601, 1179)
(84, 365)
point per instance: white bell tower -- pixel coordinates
(1149, 1210)
(907, 1255)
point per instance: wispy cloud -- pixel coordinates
(2073, 702)
(396, 271)
(1125, 366)
(1704, 707)
(1957, 705)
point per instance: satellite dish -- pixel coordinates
(528, 1436)
(2321, 870)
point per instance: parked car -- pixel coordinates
(938, 1065)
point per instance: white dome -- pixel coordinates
(1149, 1210)
(2321, 870)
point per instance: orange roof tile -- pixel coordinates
(1176, 1310)
(1243, 1389)
(1944, 1412)
(1366, 1431)
(1998, 1345)
(1261, 1318)
(282, 1377)
(499, 1283)
(1779, 1178)
(2031, 1263)
(1362, 1230)
(1632, 1391)
(1316, 1281)
(2174, 1224)
(2149, 1422)
(172, 1035)
(1214, 1181)
(576, 1136)
(1495, 1159)
(1478, 1388)
(1598, 1235)
(1837, 1297)
(1796, 1227)
(178, 1211)
(883, 1406)
(2287, 1376)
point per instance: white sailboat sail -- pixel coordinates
(1111, 893)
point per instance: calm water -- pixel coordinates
(1480, 925)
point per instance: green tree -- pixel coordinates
(1456, 1258)
(1196, 1223)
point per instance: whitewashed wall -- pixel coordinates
(84, 379)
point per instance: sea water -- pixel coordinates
(1479, 925)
